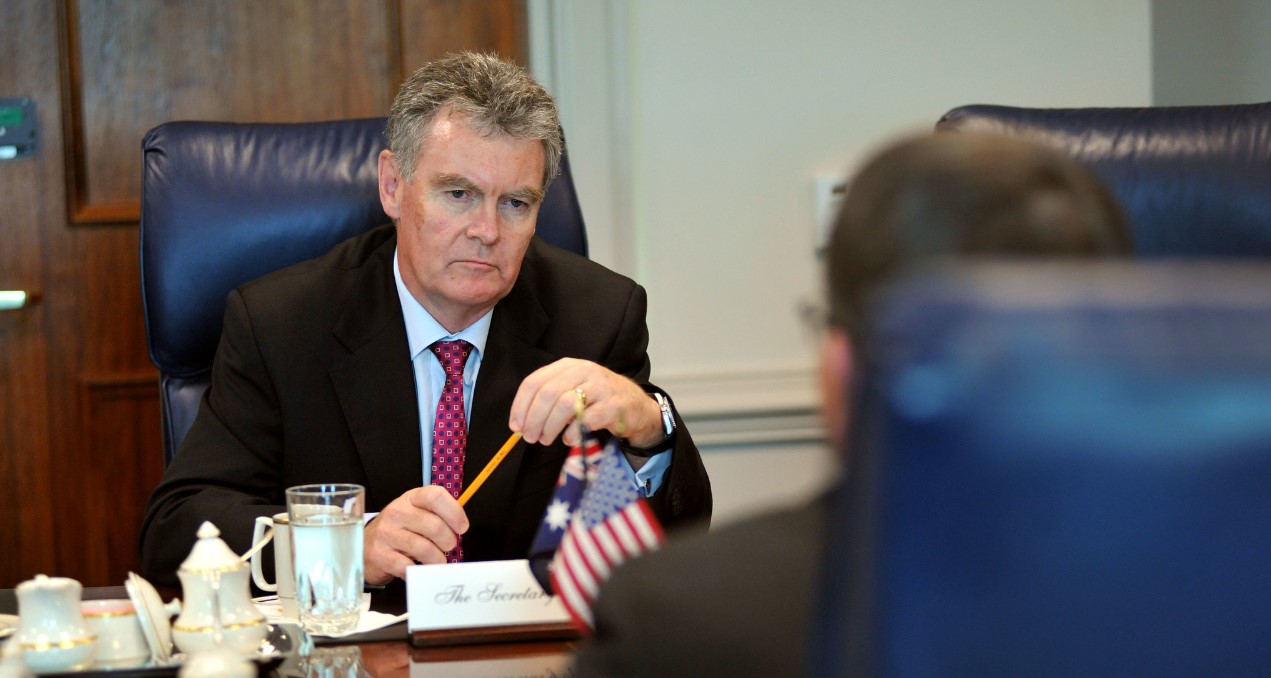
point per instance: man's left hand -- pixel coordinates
(546, 402)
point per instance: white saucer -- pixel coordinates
(8, 625)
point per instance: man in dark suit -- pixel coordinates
(363, 365)
(740, 601)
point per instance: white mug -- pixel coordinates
(284, 578)
(120, 642)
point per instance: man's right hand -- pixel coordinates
(417, 527)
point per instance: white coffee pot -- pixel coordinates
(51, 630)
(218, 611)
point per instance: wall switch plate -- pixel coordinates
(829, 196)
(17, 127)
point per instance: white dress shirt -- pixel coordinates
(422, 331)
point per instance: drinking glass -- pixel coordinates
(340, 661)
(326, 550)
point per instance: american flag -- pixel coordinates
(569, 491)
(597, 520)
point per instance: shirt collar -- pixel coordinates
(422, 330)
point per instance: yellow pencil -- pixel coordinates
(489, 468)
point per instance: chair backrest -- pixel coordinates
(1195, 180)
(1061, 473)
(224, 203)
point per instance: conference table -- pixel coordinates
(385, 652)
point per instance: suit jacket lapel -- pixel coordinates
(511, 354)
(376, 388)
(376, 384)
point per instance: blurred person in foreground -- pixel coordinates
(402, 359)
(740, 600)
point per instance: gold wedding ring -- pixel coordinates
(581, 403)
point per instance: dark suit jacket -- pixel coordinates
(312, 382)
(738, 601)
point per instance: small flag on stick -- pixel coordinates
(569, 492)
(596, 520)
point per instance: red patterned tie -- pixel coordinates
(450, 427)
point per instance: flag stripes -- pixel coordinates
(611, 523)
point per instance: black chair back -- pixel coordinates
(225, 203)
(1195, 180)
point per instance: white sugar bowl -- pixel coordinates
(218, 612)
(51, 630)
(121, 643)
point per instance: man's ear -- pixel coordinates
(838, 368)
(390, 185)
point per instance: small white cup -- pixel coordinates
(120, 642)
(284, 578)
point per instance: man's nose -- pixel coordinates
(484, 225)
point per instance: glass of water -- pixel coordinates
(326, 549)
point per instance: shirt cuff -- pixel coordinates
(649, 477)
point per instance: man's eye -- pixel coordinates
(457, 193)
(517, 204)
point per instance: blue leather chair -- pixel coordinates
(1195, 180)
(1060, 472)
(224, 203)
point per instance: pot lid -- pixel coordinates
(211, 553)
(45, 582)
(155, 617)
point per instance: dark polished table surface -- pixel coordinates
(385, 652)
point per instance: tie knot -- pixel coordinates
(453, 355)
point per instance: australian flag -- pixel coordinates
(596, 520)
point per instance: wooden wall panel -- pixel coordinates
(431, 28)
(26, 537)
(103, 402)
(30, 196)
(136, 63)
(80, 449)
(117, 467)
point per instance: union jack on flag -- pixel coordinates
(597, 520)
(569, 491)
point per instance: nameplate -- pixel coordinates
(500, 593)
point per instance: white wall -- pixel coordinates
(1207, 52)
(696, 129)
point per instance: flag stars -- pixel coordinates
(557, 517)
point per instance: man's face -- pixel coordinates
(466, 217)
(836, 384)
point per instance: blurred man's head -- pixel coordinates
(953, 195)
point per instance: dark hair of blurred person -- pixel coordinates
(739, 600)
